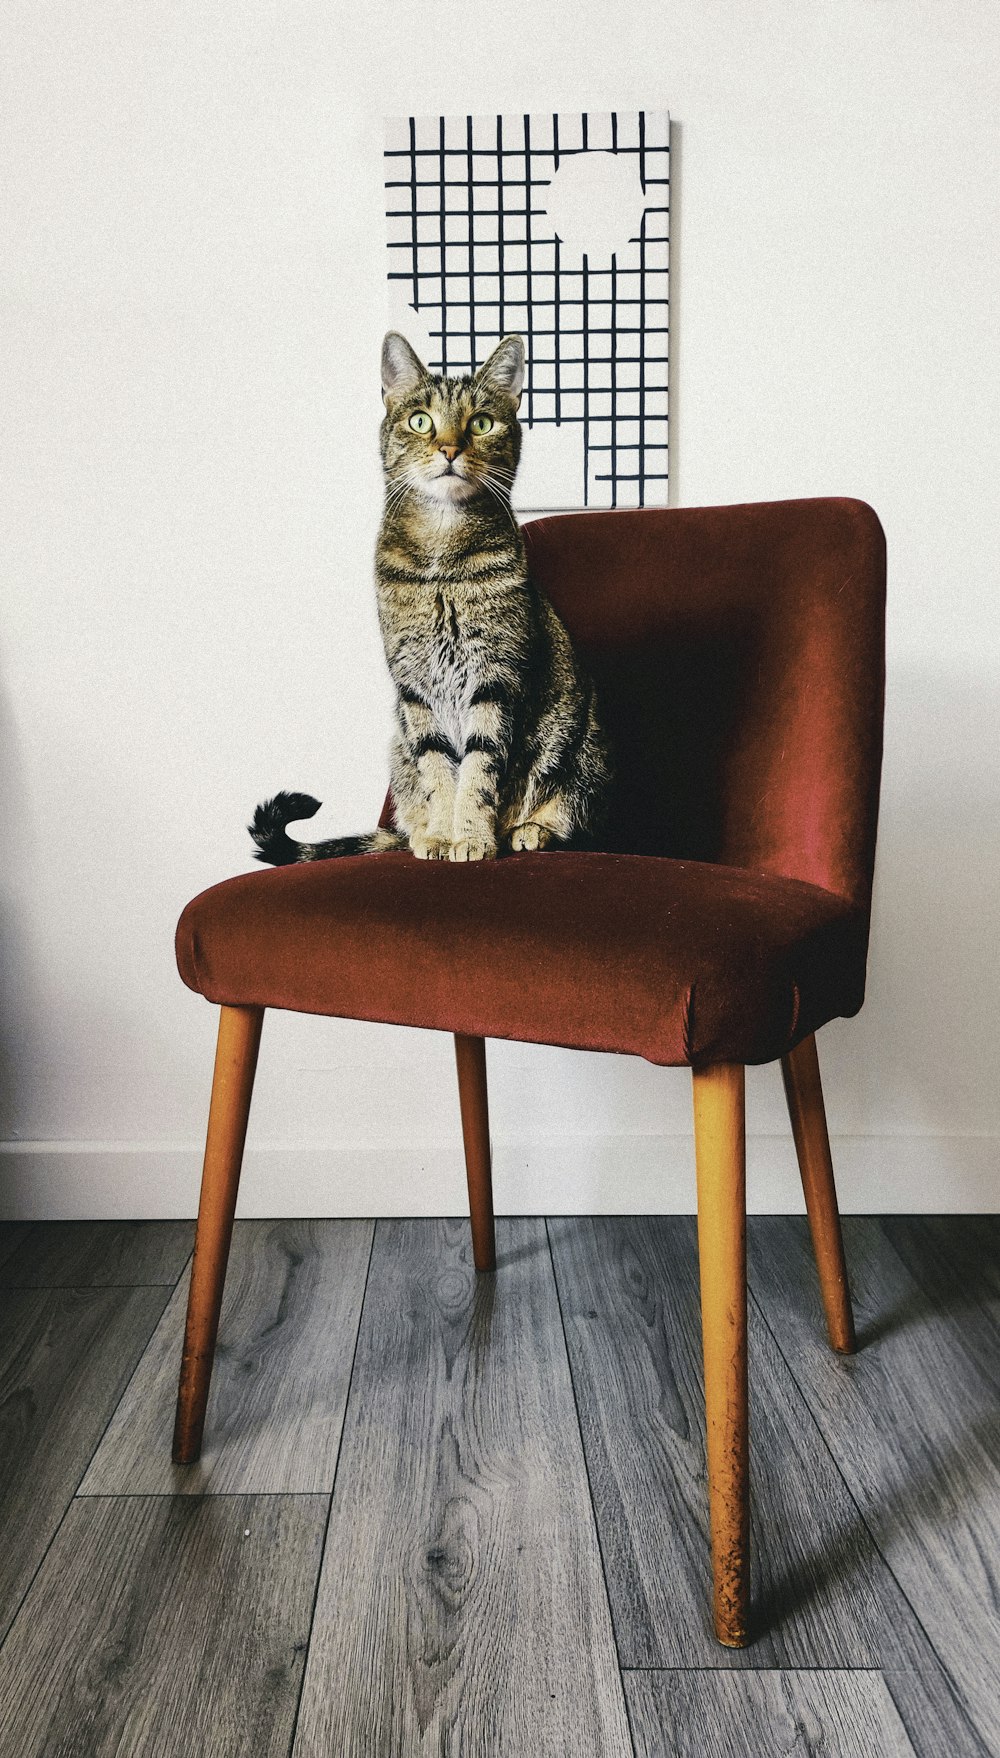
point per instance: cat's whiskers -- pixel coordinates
(496, 487)
(397, 489)
(497, 472)
(501, 501)
(502, 479)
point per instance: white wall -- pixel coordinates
(192, 275)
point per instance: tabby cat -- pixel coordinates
(498, 743)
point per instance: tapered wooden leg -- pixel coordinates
(232, 1085)
(719, 1134)
(470, 1055)
(804, 1092)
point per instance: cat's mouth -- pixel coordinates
(450, 484)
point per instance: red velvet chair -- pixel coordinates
(739, 655)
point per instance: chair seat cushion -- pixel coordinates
(682, 962)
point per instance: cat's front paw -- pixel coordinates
(529, 836)
(430, 848)
(473, 849)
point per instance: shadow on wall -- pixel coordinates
(923, 1055)
(19, 967)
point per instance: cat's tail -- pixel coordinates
(276, 846)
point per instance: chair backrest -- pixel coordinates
(739, 654)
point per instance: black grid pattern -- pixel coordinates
(470, 239)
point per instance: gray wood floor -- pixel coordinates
(450, 1516)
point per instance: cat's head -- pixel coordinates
(451, 438)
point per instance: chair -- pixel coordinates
(739, 655)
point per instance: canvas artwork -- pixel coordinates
(555, 226)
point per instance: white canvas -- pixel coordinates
(557, 227)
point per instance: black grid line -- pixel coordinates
(614, 354)
(585, 349)
(472, 242)
(508, 152)
(442, 241)
(413, 187)
(482, 257)
(529, 393)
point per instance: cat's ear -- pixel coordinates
(402, 370)
(504, 370)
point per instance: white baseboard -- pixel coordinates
(599, 1175)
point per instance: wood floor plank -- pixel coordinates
(955, 1262)
(282, 1367)
(162, 1627)
(65, 1358)
(11, 1235)
(764, 1715)
(461, 1607)
(98, 1254)
(930, 1710)
(915, 1428)
(954, 1254)
(822, 1596)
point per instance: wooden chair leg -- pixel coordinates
(720, 1151)
(804, 1092)
(232, 1086)
(470, 1056)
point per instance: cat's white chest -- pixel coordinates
(448, 669)
(449, 718)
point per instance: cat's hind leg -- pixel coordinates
(548, 822)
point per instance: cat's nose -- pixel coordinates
(450, 452)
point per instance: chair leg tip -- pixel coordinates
(842, 1335)
(731, 1615)
(186, 1449)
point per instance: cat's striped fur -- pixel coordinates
(498, 743)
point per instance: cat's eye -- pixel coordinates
(421, 422)
(481, 423)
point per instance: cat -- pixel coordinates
(499, 745)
